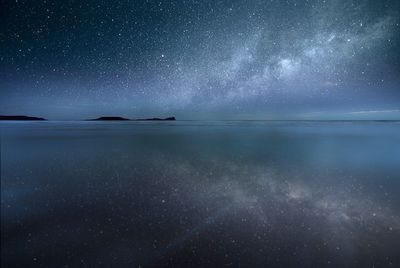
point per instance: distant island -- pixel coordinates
(102, 118)
(109, 118)
(119, 118)
(20, 118)
(172, 118)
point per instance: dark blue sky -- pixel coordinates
(201, 59)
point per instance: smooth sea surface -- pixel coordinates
(200, 194)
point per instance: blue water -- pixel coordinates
(200, 194)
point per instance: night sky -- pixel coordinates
(201, 59)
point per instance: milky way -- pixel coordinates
(196, 59)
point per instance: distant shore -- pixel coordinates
(102, 118)
(118, 118)
(21, 118)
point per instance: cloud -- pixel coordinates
(375, 112)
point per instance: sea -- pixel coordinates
(200, 194)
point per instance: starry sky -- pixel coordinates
(316, 59)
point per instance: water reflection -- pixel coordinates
(200, 194)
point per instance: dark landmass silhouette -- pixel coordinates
(109, 118)
(21, 118)
(172, 118)
(119, 118)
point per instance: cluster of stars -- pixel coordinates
(164, 55)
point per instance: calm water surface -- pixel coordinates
(200, 194)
